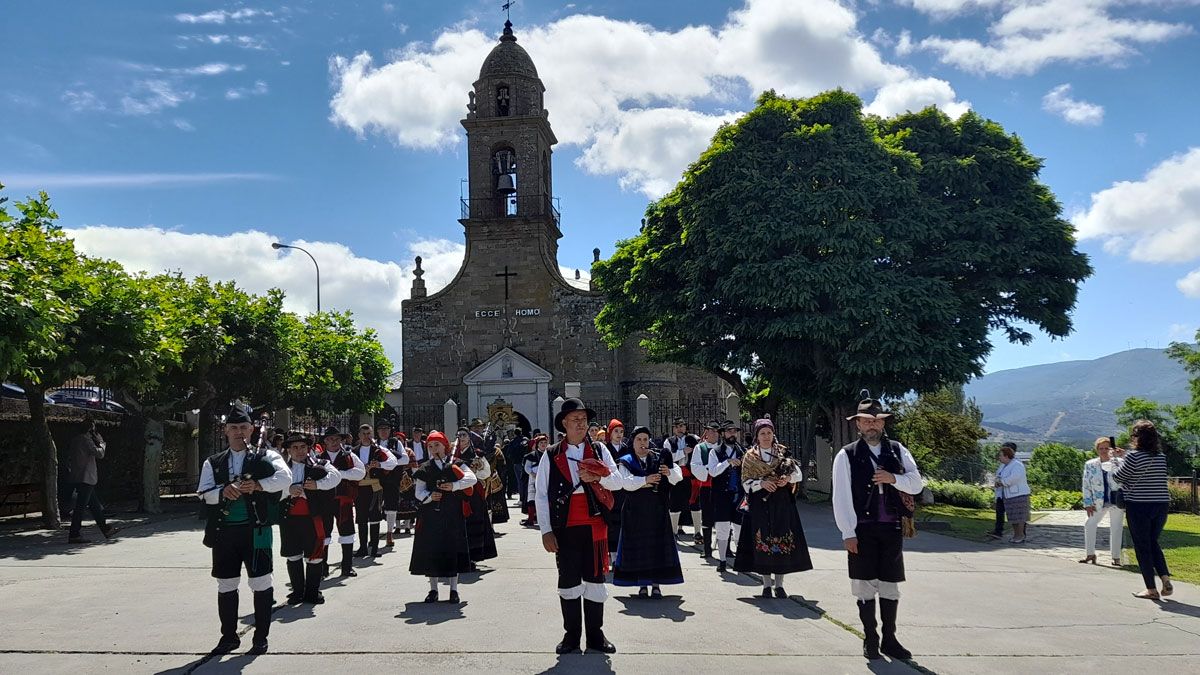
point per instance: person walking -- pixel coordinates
(86, 447)
(1142, 474)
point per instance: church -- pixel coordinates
(509, 329)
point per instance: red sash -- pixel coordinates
(578, 513)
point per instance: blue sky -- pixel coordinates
(189, 135)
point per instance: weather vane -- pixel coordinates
(507, 7)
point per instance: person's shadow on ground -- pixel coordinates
(1169, 605)
(581, 663)
(431, 613)
(666, 607)
(792, 607)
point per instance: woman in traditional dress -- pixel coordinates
(479, 521)
(533, 458)
(615, 441)
(647, 555)
(772, 540)
(496, 497)
(440, 548)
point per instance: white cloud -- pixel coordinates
(372, 289)
(1181, 331)
(1059, 102)
(602, 74)
(151, 96)
(914, 95)
(182, 124)
(1140, 138)
(1031, 34)
(1153, 220)
(119, 180)
(904, 45)
(260, 88)
(82, 100)
(220, 16)
(208, 69)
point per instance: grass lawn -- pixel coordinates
(1180, 540)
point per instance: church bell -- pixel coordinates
(505, 185)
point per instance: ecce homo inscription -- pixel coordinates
(519, 311)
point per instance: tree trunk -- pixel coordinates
(152, 464)
(43, 443)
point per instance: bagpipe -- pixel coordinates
(602, 496)
(320, 502)
(432, 476)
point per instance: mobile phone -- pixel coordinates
(1112, 442)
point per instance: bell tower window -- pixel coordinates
(503, 101)
(504, 168)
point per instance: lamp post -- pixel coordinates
(278, 246)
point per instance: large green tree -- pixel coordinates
(943, 429)
(336, 366)
(829, 251)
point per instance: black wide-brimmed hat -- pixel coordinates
(640, 430)
(297, 437)
(383, 422)
(475, 422)
(571, 405)
(238, 415)
(715, 425)
(331, 431)
(870, 408)
(678, 422)
(730, 425)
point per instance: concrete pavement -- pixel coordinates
(144, 604)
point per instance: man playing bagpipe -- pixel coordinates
(440, 547)
(351, 469)
(398, 503)
(480, 532)
(241, 489)
(368, 504)
(574, 483)
(302, 532)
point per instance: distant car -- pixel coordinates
(86, 397)
(10, 390)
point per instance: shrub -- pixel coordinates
(1181, 498)
(1045, 499)
(1056, 466)
(961, 494)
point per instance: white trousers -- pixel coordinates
(866, 590)
(722, 532)
(1116, 530)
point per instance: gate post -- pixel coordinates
(449, 416)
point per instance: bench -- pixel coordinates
(23, 498)
(175, 483)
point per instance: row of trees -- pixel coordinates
(164, 344)
(823, 250)
(1178, 425)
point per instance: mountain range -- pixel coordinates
(1073, 401)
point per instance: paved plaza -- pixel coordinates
(144, 603)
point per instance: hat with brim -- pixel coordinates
(296, 438)
(569, 406)
(730, 425)
(870, 409)
(714, 425)
(383, 423)
(238, 416)
(476, 422)
(331, 431)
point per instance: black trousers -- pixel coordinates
(85, 497)
(999, 516)
(577, 557)
(1146, 522)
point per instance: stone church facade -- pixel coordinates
(509, 326)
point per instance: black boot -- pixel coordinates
(295, 570)
(708, 542)
(572, 626)
(227, 611)
(374, 550)
(362, 541)
(593, 620)
(866, 612)
(889, 644)
(312, 585)
(325, 563)
(263, 602)
(348, 561)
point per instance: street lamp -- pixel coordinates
(278, 246)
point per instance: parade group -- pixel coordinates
(597, 494)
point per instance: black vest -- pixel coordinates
(559, 488)
(320, 502)
(655, 459)
(862, 472)
(730, 480)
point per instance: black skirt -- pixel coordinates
(440, 540)
(498, 502)
(647, 554)
(614, 520)
(724, 506)
(880, 553)
(480, 535)
(772, 539)
(681, 495)
(706, 512)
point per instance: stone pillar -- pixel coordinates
(418, 285)
(449, 417)
(572, 389)
(192, 448)
(733, 408)
(555, 408)
(643, 410)
(363, 418)
(283, 420)
(824, 457)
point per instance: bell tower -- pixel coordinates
(509, 144)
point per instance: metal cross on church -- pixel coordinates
(506, 7)
(506, 274)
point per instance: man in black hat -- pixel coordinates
(239, 486)
(868, 478)
(368, 504)
(351, 470)
(302, 533)
(573, 498)
(725, 474)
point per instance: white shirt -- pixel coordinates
(422, 491)
(678, 456)
(330, 481)
(364, 455)
(843, 498)
(612, 481)
(1012, 479)
(356, 472)
(277, 482)
(631, 482)
(716, 468)
(419, 450)
(699, 466)
(769, 456)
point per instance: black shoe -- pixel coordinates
(259, 647)
(227, 645)
(78, 540)
(317, 598)
(312, 585)
(766, 593)
(349, 572)
(721, 567)
(567, 646)
(601, 645)
(432, 596)
(361, 552)
(866, 613)
(572, 613)
(871, 648)
(643, 592)
(780, 593)
(892, 647)
(656, 593)
(110, 531)
(453, 597)
(295, 597)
